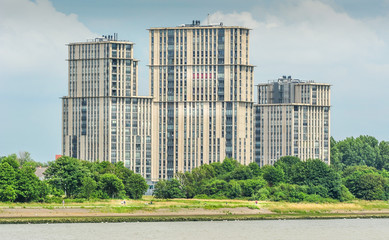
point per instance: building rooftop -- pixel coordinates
(289, 79)
(196, 24)
(104, 39)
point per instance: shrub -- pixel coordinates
(345, 194)
(201, 196)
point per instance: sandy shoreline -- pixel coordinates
(76, 214)
(85, 212)
(150, 209)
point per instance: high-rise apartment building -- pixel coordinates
(292, 118)
(201, 107)
(202, 85)
(103, 119)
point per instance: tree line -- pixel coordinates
(359, 170)
(67, 177)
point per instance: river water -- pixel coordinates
(366, 229)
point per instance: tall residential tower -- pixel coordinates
(292, 119)
(103, 119)
(202, 84)
(201, 107)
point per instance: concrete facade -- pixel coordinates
(292, 119)
(202, 84)
(103, 119)
(201, 107)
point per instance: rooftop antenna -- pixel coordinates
(208, 19)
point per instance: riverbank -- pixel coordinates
(155, 210)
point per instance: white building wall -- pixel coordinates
(292, 119)
(103, 118)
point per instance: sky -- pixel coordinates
(343, 43)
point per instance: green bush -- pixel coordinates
(314, 198)
(201, 196)
(263, 194)
(345, 194)
(168, 189)
(218, 196)
(7, 194)
(53, 199)
(234, 189)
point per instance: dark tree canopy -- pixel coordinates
(363, 150)
(168, 189)
(359, 169)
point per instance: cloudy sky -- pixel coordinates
(344, 43)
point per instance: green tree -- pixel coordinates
(286, 164)
(272, 175)
(315, 173)
(204, 172)
(366, 185)
(345, 194)
(174, 189)
(251, 186)
(357, 170)
(218, 167)
(136, 186)
(7, 174)
(19, 183)
(66, 173)
(7, 181)
(241, 173)
(288, 192)
(160, 189)
(44, 190)
(11, 160)
(335, 157)
(318, 190)
(216, 187)
(383, 162)
(27, 185)
(7, 194)
(126, 175)
(106, 167)
(255, 169)
(363, 150)
(168, 189)
(229, 164)
(111, 185)
(188, 183)
(121, 171)
(88, 187)
(234, 189)
(193, 182)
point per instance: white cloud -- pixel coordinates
(33, 37)
(311, 40)
(309, 32)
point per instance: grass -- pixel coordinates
(357, 205)
(226, 217)
(275, 210)
(174, 205)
